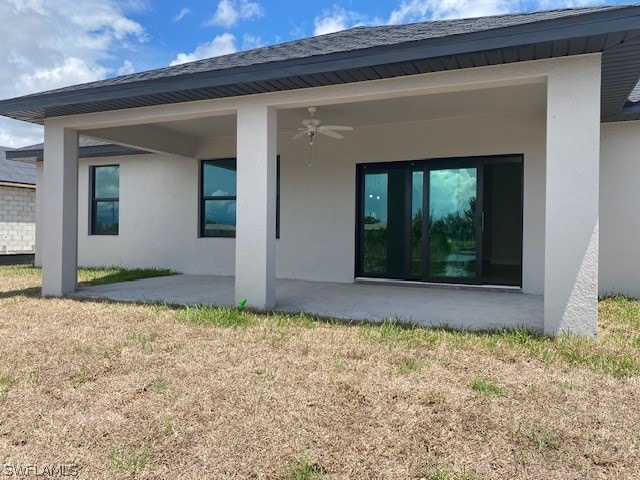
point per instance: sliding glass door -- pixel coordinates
(425, 220)
(452, 251)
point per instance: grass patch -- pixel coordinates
(88, 276)
(545, 440)
(216, 316)
(144, 339)
(126, 463)
(438, 471)
(6, 382)
(304, 470)
(486, 386)
(408, 365)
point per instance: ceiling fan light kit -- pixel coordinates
(313, 126)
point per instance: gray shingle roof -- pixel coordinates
(16, 172)
(88, 147)
(359, 38)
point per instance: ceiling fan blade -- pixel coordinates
(336, 127)
(299, 135)
(330, 133)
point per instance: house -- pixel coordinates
(498, 151)
(17, 206)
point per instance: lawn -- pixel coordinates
(113, 390)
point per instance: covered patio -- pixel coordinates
(427, 306)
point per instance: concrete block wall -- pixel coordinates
(17, 220)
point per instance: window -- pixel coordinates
(218, 198)
(105, 199)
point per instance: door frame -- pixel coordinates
(427, 165)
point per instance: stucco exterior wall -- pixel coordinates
(619, 209)
(17, 220)
(159, 197)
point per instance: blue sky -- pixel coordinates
(47, 44)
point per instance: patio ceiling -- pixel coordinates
(184, 137)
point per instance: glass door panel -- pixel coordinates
(375, 194)
(417, 201)
(453, 220)
(384, 222)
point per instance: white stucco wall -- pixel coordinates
(17, 219)
(159, 197)
(620, 209)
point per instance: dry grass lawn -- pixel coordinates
(147, 391)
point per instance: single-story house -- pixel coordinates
(17, 206)
(497, 151)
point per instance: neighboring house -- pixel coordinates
(17, 206)
(490, 151)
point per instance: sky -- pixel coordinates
(47, 44)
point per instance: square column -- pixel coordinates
(59, 217)
(572, 198)
(256, 206)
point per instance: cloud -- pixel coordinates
(47, 44)
(69, 71)
(183, 13)
(338, 19)
(421, 10)
(126, 68)
(221, 45)
(230, 12)
(250, 41)
(19, 134)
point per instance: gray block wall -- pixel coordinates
(17, 220)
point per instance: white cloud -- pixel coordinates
(126, 68)
(230, 12)
(421, 10)
(251, 41)
(48, 44)
(183, 13)
(338, 19)
(69, 71)
(19, 134)
(221, 45)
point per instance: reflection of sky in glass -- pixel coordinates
(375, 196)
(222, 212)
(107, 214)
(416, 194)
(450, 190)
(107, 182)
(220, 178)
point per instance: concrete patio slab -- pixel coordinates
(369, 302)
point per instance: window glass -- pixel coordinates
(219, 178)
(105, 201)
(218, 198)
(107, 182)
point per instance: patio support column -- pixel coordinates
(60, 211)
(256, 206)
(572, 199)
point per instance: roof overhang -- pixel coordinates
(36, 153)
(614, 33)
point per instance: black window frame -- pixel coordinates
(203, 199)
(95, 200)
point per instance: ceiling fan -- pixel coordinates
(313, 126)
